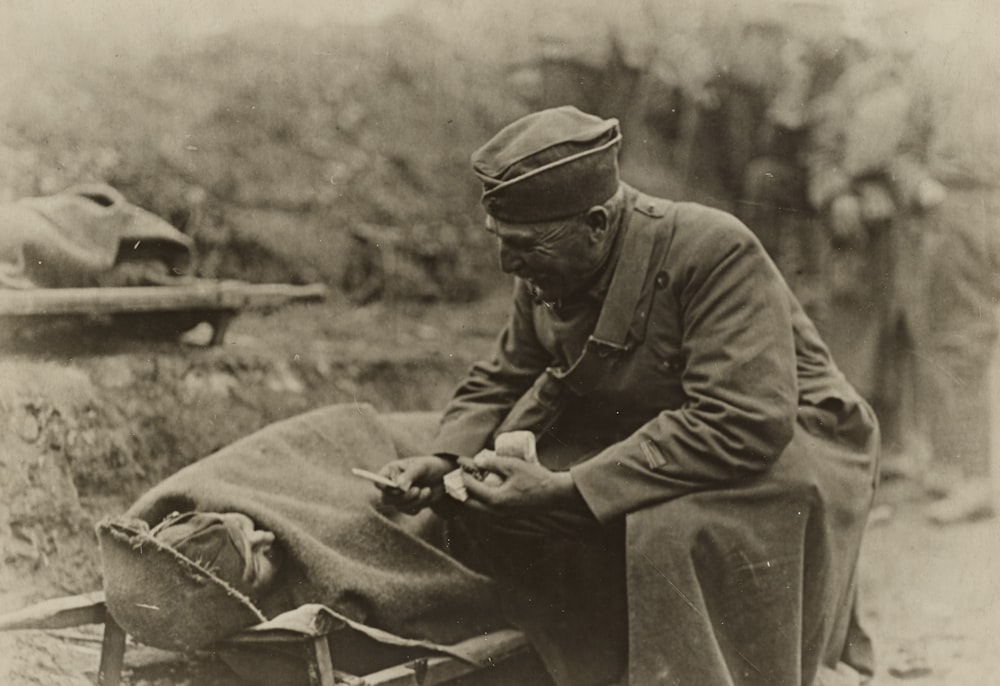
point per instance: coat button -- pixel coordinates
(662, 280)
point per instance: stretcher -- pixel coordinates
(301, 646)
(214, 302)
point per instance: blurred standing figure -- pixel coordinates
(866, 159)
(960, 62)
(781, 61)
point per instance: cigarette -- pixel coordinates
(375, 478)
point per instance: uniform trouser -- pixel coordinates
(752, 584)
(756, 584)
(963, 286)
(562, 580)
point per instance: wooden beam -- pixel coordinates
(201, 295)
(490, 649)
(58, 613)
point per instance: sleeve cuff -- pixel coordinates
(599, 492)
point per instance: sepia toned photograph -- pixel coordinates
(472, 343)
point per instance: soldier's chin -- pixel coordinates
(543, 289)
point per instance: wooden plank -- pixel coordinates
(58, 613)
(61, 613)
(214, 295)
(493, 649)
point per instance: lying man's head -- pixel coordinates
(228, 544)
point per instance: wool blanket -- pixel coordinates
(369, 564)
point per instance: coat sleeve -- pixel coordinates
(739, 379)
(486, 395)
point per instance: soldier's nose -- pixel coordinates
(510, 262)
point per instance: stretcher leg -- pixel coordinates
(321, 663)
(112, 654)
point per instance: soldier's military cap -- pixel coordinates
(549, 165)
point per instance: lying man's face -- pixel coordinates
(227, 543)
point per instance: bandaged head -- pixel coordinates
(226, 544)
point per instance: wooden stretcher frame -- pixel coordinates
(89, 608)
(215, 302)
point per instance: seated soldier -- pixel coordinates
(704, 469)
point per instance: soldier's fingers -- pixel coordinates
(478, 490)
(467, 463)
(495, 463)
(397, 472)
(402, 499)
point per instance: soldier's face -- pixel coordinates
(239, 552)
(555, 258)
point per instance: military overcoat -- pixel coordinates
(698, 412)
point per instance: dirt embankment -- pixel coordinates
(90, 421)
(270, 143)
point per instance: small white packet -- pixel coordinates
(520, 444)
(454, 486)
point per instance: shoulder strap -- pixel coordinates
(626, 284)
(539, 408)
(611, 335)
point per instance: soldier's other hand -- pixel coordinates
(418, 482)
(471, 466)
(845, 220)
(522, 486)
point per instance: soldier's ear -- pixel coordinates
(597, 220)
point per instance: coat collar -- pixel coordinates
(647, 229)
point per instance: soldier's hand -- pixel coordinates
(521, 487)
(418, 482)
(845, 220)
